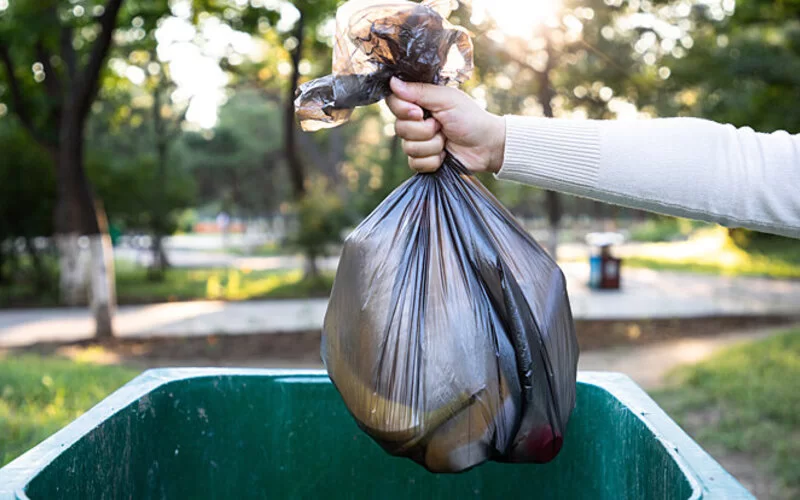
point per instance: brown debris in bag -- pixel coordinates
(412, 41)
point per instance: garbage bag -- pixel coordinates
(449, 333)
(378, 40)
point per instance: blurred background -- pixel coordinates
(159, 205)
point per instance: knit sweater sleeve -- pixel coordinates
(685, 167)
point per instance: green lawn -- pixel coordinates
(40, 395)
(712, 252)
(747, 399)
(265, 250)
(133, 285)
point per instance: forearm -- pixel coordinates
(681, 166)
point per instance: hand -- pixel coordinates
(471, 134)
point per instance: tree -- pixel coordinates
(68, 45)
(131, 161)
(310, 14)
(743, 68)
(240, 161)
(296, 50)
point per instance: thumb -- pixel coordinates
(431, 97)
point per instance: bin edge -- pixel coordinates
(697, 464)
(18, 473)
(709, 479)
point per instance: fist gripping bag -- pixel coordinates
(449, 333)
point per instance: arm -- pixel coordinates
(679, 166)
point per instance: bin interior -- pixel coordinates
(291, 437)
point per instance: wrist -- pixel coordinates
(497, 143)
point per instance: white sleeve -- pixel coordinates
(685, 167)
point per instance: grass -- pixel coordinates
(265, 250)
(24, 294)
(133, 285)
(39, 395)
(712, 252)
(664, 229)
(747, 401)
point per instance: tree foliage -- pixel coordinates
(239, 163)
(744, 67)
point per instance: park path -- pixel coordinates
(646, 294)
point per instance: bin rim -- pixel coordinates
(707, 478)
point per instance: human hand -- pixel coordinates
(471, 134)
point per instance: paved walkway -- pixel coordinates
(645, 294)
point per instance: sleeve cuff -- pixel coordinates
(558, 154)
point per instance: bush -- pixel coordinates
(321, 220)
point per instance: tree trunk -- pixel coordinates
(40, 280)
(311, 270)
(554, 212)
(160, 262)
(545, 98)
(85, 255)
(102, 296)
(2, 263)
(293, 159)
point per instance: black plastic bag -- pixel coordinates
(449, 333)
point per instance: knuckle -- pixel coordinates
(415, 89)
(430, 163)
(403, 129)
(430, 130)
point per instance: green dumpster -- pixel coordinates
(235, 433)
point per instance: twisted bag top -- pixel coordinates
(375, 41)
(449, 333)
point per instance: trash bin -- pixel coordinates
(114, 232)
(604, 268)
(235, 433)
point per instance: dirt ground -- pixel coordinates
(301, 349)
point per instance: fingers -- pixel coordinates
(404, 110)
(426, 165)
(422, 140)
(425, 156)
(431, 97)
(423, 149)
(416, 131)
